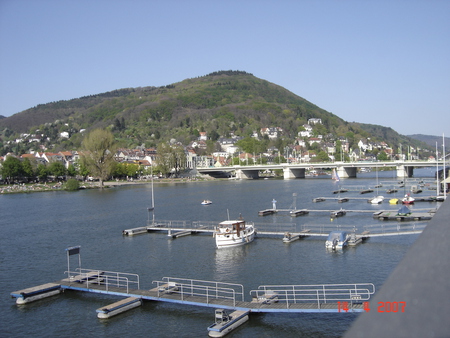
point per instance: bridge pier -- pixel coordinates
(289, 173)
(346, 172)
(405, 171)
(246, 174)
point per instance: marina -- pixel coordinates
(321, 298)
(96, 219)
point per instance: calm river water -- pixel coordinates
(37, 228)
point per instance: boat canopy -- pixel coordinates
(339, 235)
(404, 210)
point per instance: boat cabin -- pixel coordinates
(232, 226)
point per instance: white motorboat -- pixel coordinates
(234, 233)
(337, 240)
(206, 202)
(376, 200)
(408, 199)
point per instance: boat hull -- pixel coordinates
(224, 242)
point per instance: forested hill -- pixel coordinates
(219, 103)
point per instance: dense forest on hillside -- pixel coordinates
(222, 103)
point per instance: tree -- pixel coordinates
(382, 156)
(57, 169)
(11, 168)
(171, 158)
(41, 172)
(72, 185)
(99, 152)
(27, 168)
(71, 171)
(322, 156)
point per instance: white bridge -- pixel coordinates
(343, 169)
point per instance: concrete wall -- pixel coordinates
(422, 281)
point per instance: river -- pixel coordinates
(38, 227)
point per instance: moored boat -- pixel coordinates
(393, 201)
(408, 199)
(376, 200)
(234, 233)
(338, 213)
(337, 240)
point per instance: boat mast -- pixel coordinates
(438, 186)
(443, 159)
(152, 208)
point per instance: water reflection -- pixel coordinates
(229, 262)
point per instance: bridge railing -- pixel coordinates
(200, 288)
(319, 293)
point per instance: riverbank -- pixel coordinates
(42, 187)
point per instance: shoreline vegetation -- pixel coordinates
(58, 186)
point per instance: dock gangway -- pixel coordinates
(320, 294)
(108, 279)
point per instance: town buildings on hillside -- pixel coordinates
(305, 149)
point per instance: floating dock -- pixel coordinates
(300, 212)
(321, 298)
(340, 191)
(267, 212)
(395, 216)
(288, 237)
(134, 231)
(35, 293)
(118, 307)
(225, 323)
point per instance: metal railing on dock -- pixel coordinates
(200, 288)
(110, 279)
(320, 294)
(182, 225)
(384, 229)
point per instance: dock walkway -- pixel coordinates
(279, 230)
(289, 298)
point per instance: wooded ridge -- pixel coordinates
(222, 104)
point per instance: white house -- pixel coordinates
(314, 121)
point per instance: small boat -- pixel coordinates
(391, 191)
(337, 240)
(226, 323)
(376, 200)
(415, 189)
(319, 199)
(408, 199)
(404, 211)
(343, 200)
(234, 233)
(366, 191)
(206, 202)
(335, 175)
(338, 213)
(393, 201)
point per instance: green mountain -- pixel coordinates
(432, 141)
(221, 103)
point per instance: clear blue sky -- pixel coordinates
(379, 62)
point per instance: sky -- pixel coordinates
(378, 62)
